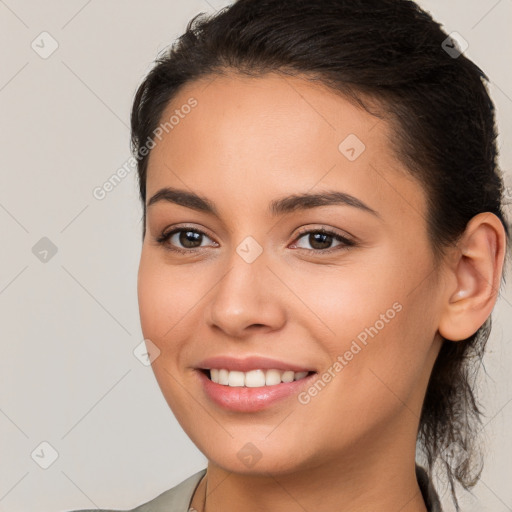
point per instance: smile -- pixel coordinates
(253, 378)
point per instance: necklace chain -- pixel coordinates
(202, 505)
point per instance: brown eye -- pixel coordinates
(183, 240)
(321, 240)
(189, 239)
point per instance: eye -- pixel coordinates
(321, 240)
(183, 239)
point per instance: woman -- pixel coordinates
(323, 246)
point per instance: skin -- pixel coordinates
(250, 141)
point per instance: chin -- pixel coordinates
(258, 456)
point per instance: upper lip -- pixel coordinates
(247, 364)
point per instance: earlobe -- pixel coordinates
(472, 293)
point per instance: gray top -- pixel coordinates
(179, 497)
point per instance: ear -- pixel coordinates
(474, 278)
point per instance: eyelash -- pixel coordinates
(346, 242)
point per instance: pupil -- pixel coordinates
(321, 239)
(189, 237)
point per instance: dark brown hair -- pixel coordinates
(393, 55)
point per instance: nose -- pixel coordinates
(247, 298)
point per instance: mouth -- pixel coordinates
(256, 378)
(254, 390)
(253, 383)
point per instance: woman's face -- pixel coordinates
(262, 290)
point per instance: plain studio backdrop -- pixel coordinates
(71, 384)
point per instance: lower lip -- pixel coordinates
(243, 399)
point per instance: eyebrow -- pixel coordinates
(277, 207)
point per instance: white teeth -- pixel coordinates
(223, 377)
(272, 377)
(254, 378)
(236, 379)
(288, 376)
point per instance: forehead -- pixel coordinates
(271, 135)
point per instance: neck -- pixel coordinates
(380, 477)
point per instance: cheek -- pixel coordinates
(378, 320)
(166, 296)
(346, 300)
(150, 295)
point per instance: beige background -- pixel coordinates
(69, 325)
